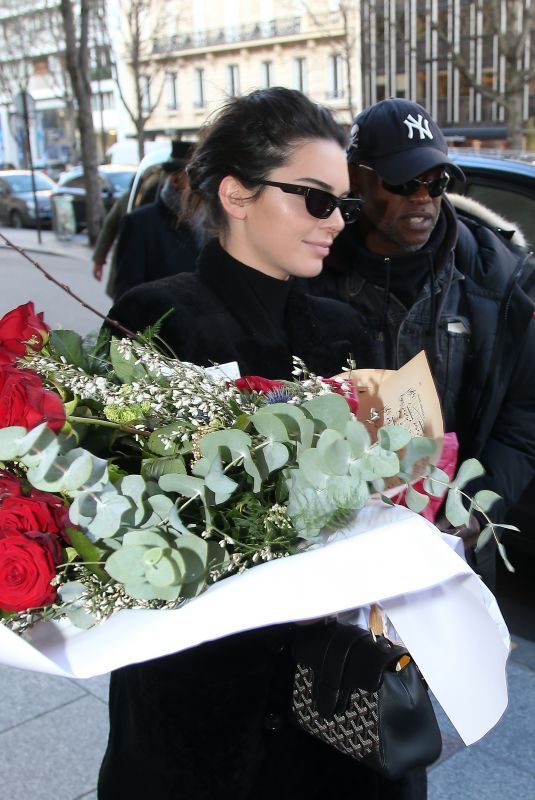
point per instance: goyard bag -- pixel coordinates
(363, 695)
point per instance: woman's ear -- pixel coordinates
(233, 197)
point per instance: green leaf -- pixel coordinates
(89, 553)
(436, 482)
(415, 500)
(155, 444)
(270, 426)
(357, 437)
(186, 485)
(328, 411)
(485, 499)
(485, 536)
(219, 483)
(469, 469)
(311, 470)
(69, 345)
(393, 437)
(421, 447)
(455, 511)
(127, 370)
(274, 456)
(333, 453)
(378, 463)
(10, 442)
(503, 554)
(154, 468)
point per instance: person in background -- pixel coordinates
(152, 242)
(211, 723)
(423, 277)
(106, 239)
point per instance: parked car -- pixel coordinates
(507, 185)
(17, 201)
(114, 179)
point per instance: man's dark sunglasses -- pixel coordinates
(321, 204)
(435, 187)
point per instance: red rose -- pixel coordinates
(24, 401)
(255, 383)
(33, 514)
(9, 485)
(28, 563)
(347, 389)
(21, 330)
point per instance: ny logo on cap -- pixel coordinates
(421, 125)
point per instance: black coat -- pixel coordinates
(211, 723)
(152, 245)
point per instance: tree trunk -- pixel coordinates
(78, 67)
(515, 121)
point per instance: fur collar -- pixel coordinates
(467, 205)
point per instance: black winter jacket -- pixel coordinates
(152, 245)
(211, 723)
(476, 325)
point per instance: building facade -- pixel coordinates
(203, 53)
(454, 57)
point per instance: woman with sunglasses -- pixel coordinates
(270, 178)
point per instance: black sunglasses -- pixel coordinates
(435, 187)
(321, 204)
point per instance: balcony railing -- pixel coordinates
(239, 33)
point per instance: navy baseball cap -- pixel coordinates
(399, 140)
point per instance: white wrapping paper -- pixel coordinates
(448, 620)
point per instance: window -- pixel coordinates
(145, 92)
(199, 90)
(300, 74)
(233, 80)
(267, 74)
(171, 91)
(335, 76)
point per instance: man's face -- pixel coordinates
(397, 224)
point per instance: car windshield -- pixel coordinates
(120, 181)
(23, 183)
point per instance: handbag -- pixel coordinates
(365, 696)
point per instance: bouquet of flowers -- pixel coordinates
(135, 480)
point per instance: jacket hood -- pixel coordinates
(467, 205)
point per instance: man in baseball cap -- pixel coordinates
(423, 276)
(399, 140)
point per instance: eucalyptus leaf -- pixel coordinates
(333, 453)
(469, 469)
(378, 463)
(485, 536)
(437, 482)
(328, 411)
(455, 511)
(357, 437)
(503, 554)
(269, 425)
(186, 485)
(420, 447)
(10, 442)
(485, 499)
(274, 455)
(311, 469)
(219, 483)
(416, 501)
(393, 437)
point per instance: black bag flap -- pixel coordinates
(343, 658)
